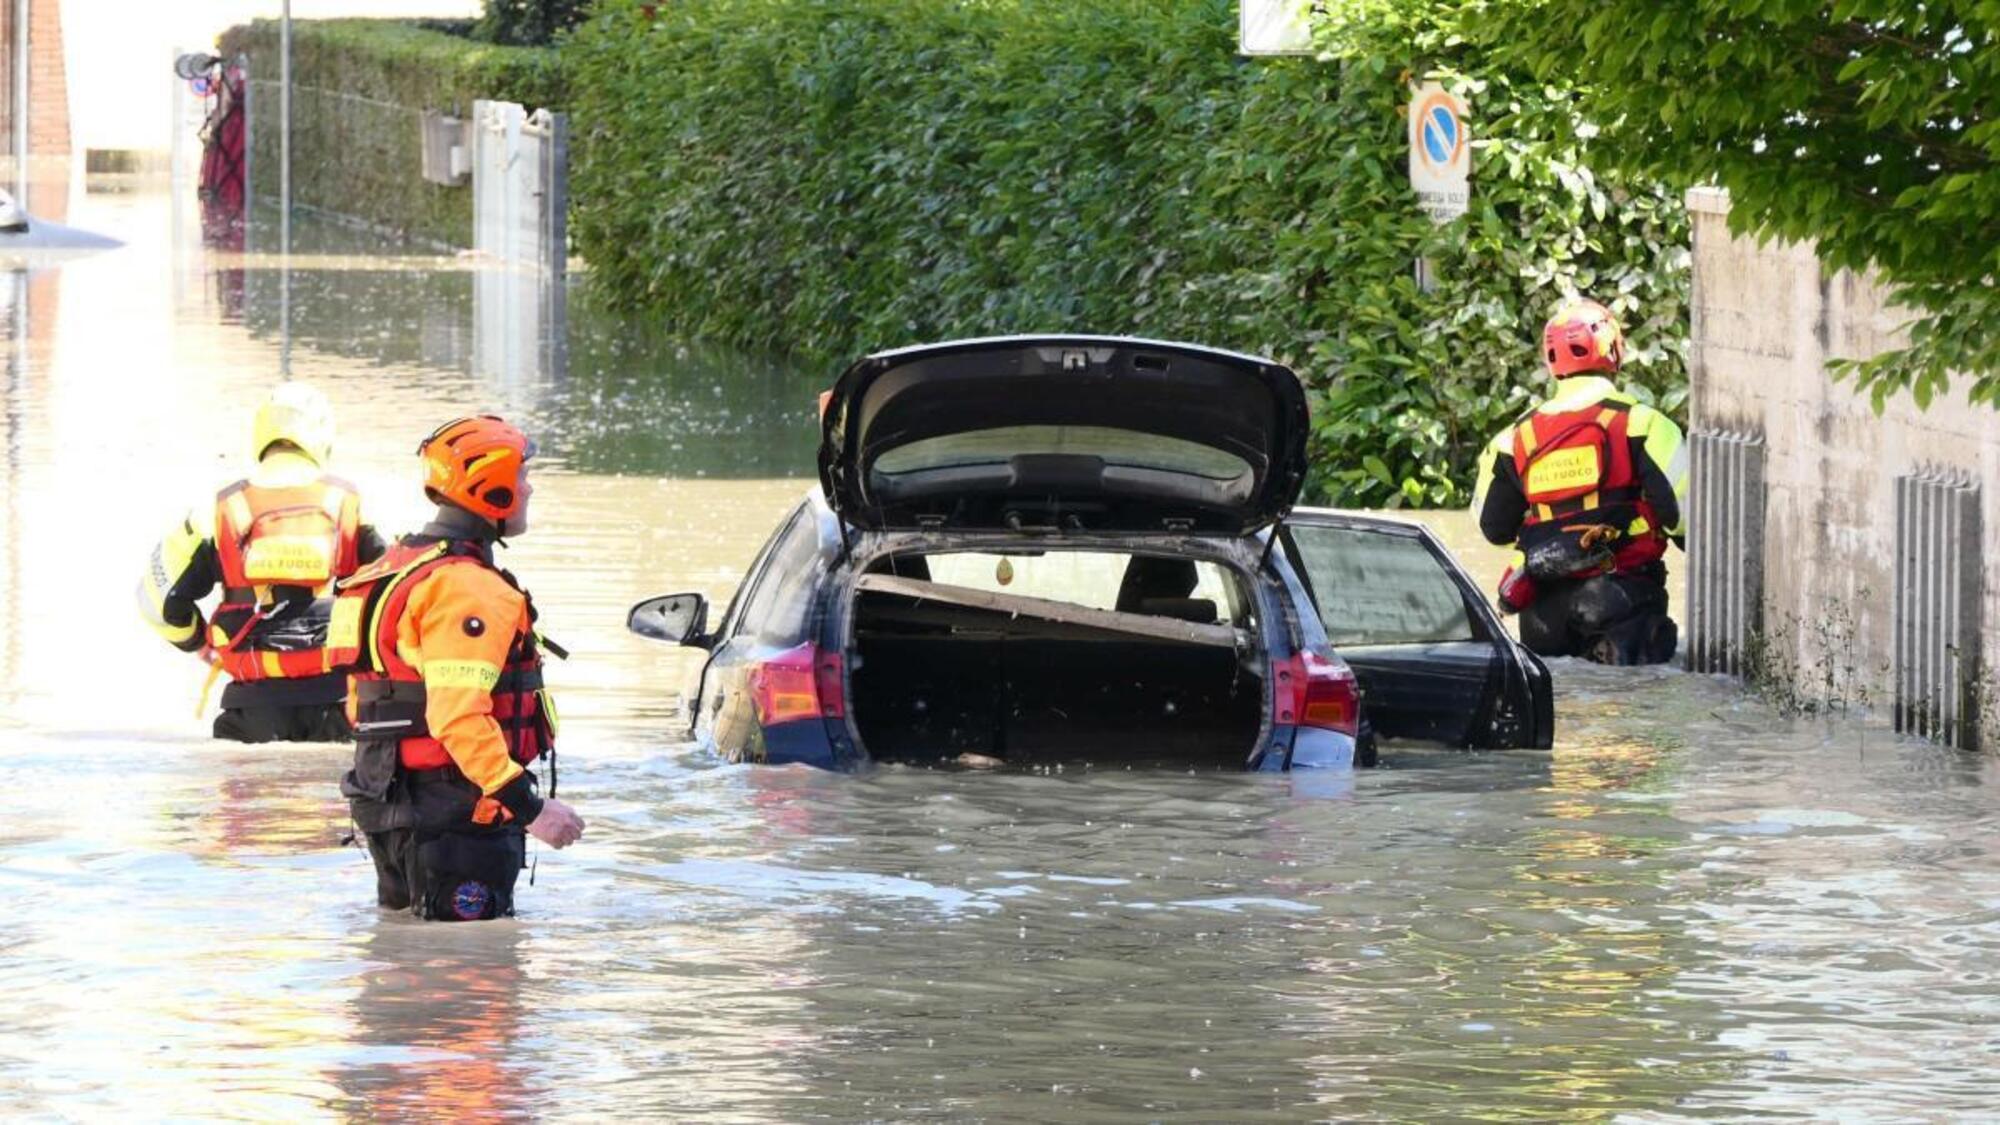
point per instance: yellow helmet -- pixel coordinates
(297, 414)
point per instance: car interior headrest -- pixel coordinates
(1200, 611)
(902, 566)
(1152, 576)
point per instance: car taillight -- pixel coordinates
(827, 673)
(798, 683)
(1313, 691)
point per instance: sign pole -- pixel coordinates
(21, 104)
(285, 192)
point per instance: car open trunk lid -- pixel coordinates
(1064, 434)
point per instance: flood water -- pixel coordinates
(1692, 906)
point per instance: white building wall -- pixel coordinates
(1766, 321)
(119, 55)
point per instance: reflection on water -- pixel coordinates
(612, 395)
(1690, 906)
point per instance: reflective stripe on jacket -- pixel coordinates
(446, 662)
(303, 535)
(1590, 455)
(278, 546)
(1576, 472)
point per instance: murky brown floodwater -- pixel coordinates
(1691, 906)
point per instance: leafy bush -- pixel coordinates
(834, 176)
(358, 88)
(529, 23)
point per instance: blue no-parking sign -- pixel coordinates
(1440, 153)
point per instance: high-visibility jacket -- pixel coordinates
(1576, 471)
(447, 662)
(1589, 460)
(278, 547)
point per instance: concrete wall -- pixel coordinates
(1766, 321)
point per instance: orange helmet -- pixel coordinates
(476, 463)
(1582, 336)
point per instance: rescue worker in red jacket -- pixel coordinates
(447, 699)
(275, 542)
(1588, 488)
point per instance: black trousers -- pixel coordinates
(448, 876)
(326, 722)
(430, 857)
(310, 709)
(1611, 619)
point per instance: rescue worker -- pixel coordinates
(1588, 489)
(275, 542)
(447, 699)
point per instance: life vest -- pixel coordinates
(278, 548)
(1577, 473)
(388, 697)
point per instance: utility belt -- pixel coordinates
(395, 710)
(397, 760)
(1604, 540)
(282, 640)
(329, 689)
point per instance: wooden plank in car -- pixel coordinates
(1131, 624)
(976, 626)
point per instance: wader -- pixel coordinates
(430, 858)
(1609, 618)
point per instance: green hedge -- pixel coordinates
(832, 176)
(358, 89)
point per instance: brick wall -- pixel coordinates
(48, 82)
(48, 79)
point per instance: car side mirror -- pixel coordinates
(678, 619)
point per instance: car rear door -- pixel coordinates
(1433, 660)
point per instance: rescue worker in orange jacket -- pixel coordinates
(447, 699)
(275, 542)
(1588, 488)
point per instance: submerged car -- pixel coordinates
(1029, 549)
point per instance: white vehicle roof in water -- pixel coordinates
(29, 241)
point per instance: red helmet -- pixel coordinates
(1582, 336)
(476, 463)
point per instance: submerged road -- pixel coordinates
(1691, 906)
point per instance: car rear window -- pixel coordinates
(1380, 588)
(1125, 448)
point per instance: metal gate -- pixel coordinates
(520, 186)
(520, 205)
(1936, 607)
(1725, 587)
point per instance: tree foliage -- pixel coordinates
(827, 177)
(1870, 127)
(528, 23)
